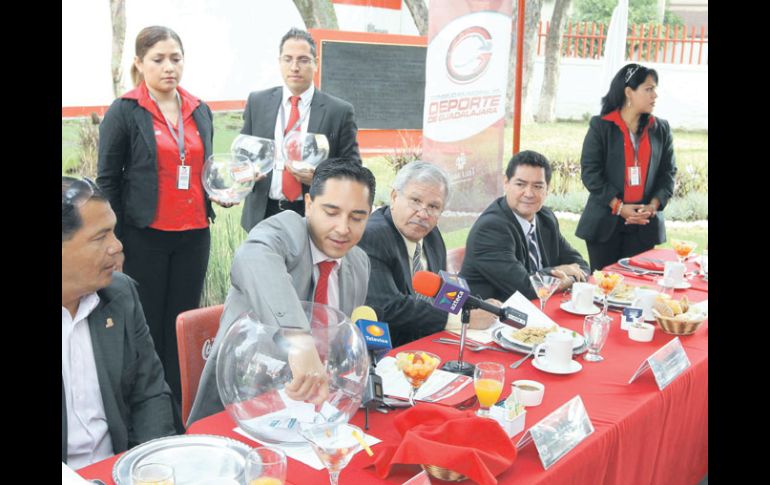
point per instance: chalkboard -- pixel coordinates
(385, 83)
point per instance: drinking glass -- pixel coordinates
(152, 474)
(334, 443)
(488, 380)
(266, 466)
(545, 285)
(682, 248)
(417, 367)
(596, 328)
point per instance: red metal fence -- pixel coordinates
(645, 43)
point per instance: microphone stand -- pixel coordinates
(458, 366)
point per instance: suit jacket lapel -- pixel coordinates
(204, 128)
(544, 237)
(267, 114)
(403, 255)
(143, 120)
(107, 341)
(317, 113)
(345, 281)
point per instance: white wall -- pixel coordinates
(682, 91)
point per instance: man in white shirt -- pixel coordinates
(114, 395)
(287, 259)
(402, 239)
(296, 106)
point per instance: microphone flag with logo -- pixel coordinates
(376, 334)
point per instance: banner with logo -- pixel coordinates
(466, 72)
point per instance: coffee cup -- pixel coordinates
(644, 299)
(558, 351)
(583, 296)
(673, 273)
(528, 393)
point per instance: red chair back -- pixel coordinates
(195, 332)
(454, 259)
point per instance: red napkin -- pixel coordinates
(446, 437)
(645, 264)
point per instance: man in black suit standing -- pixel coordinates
(297, 105)
(516, 236)
(402, 239)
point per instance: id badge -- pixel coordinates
(633, 176)
(183, 177)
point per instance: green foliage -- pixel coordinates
(691, 178)
(226, 235)
(639, 11)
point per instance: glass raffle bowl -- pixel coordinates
(254, 366)
(304, 151)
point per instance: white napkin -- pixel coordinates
(535, 318)
(302, 453)
(69, 477)
(394, 382)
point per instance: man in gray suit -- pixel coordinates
(284, 260)
(274, 112)
(114, 395)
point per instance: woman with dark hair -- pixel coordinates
(628, 168)
(152, 145)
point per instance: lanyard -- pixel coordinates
(178, 137)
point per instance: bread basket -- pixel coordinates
(678, 326)
(443, 473)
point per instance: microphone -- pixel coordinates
(450, 293)
(377, 337)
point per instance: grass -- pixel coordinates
(557, 141)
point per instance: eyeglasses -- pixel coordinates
(631, 71)
(416, 205)
(76, 192)
(302, 61)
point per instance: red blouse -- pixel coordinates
(633, 194)
(178, 210)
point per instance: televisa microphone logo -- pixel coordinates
(375, 331)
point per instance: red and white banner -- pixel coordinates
(466, 72)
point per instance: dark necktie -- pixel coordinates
(322, 286)
(290, 186)
(416, 261)
(532, 245)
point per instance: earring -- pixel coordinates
(629, 103)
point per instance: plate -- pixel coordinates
(574, 366)
(624, 262)
(497, 336)
(682, 285)
(567, 307)
(577, 340)
(193, 457)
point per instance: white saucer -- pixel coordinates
(682, 285)
(567, 307)
(574, 366)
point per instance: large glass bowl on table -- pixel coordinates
(254, 368)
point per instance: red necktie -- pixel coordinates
(322, 286)
(291, 187)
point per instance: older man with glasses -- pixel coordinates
(402, 239)
(114, 395)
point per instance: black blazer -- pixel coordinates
(497, 262)
(137, 401)
(329, 115)
(390, 284)
(128, 160)
(603, 170)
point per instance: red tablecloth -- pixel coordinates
(642, 434)
(697, 282)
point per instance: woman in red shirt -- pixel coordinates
(628, 167)
(152, 145)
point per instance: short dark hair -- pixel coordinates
(533, 159)
(631, 75)
(295, 33)
(71, 221)
(342, 168)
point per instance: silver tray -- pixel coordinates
(194, 457)
(497, 335)
(625, 263)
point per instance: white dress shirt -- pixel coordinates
(276, 184)
(88, 437)
(333, 289)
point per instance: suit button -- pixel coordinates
(280, 314)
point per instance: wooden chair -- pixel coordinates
(195, 332)
(454, 259)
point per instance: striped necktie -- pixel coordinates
(532, 245)
(416, 261)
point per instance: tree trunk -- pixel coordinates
(419, 14)
(118, 17)
(317, 14)
(546, 112)
(532, 13)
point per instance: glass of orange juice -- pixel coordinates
(488, 380)
(266, 466)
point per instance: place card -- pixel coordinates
(631, 316)
(559, 432)
(666, 363)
